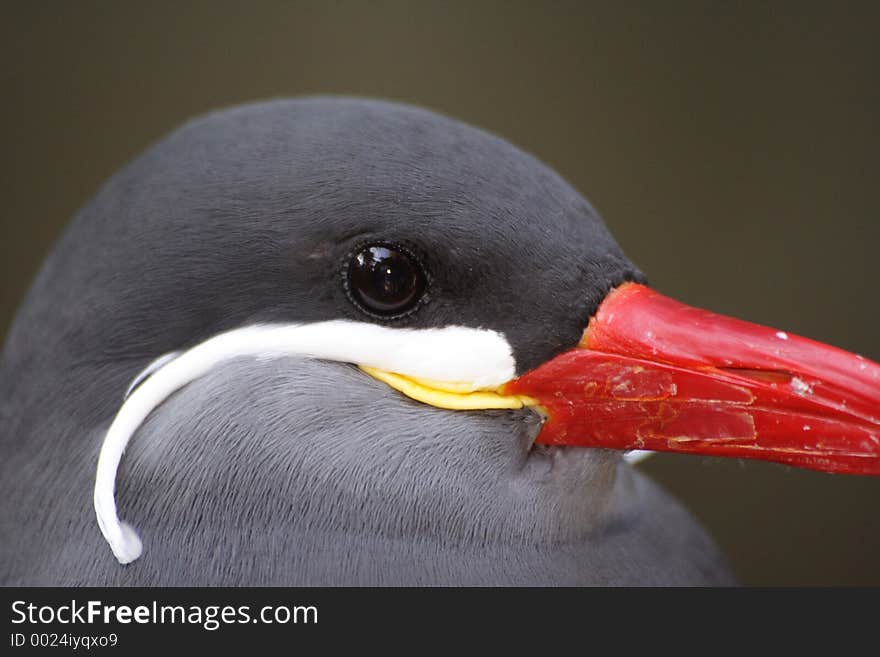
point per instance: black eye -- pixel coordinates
(385, 280)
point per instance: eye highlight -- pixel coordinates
(386, 280)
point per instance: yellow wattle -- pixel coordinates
(452, 396)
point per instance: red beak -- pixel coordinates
(652, 373)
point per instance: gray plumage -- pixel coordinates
(291, 471)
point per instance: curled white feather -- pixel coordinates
(453, 353)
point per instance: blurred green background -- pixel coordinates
(731, 147)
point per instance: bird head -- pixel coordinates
(368, 316)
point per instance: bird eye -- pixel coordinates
(385, 280)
